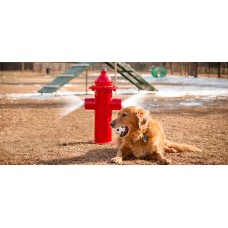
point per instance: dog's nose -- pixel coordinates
(112, 124)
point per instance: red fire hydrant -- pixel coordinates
(103, 104)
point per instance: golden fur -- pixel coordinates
(145, 137)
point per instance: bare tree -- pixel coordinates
(22, 67)
(219, 70)
(209, 69)
(171, 68)
(195, 74)
(193, 69)
(181, 69)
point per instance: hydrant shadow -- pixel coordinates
(100, 156)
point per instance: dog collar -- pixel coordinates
(144, 138)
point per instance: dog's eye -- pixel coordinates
(124, 114)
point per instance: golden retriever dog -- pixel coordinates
(142, 136)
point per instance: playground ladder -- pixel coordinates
(131, 75)
(64, 78)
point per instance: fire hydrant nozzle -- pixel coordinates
(103, 104)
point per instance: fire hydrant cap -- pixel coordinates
(103, 78)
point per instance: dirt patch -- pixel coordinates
(32, 132)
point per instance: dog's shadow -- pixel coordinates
(96, 157)
(92, 157)
(101, 156)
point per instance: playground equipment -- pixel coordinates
(158, 72)
(122, 68)
(64, 78)
(103, 104)
(132, 76)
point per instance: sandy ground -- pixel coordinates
(33, 131)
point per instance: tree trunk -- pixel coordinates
(186, 69)
(209, 69)
(190, 71)
(171, 68)
(181, 69)
(2, 68)
(22, 67)
(219, 70)
(195, 71)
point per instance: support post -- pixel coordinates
(86, 81)
(115, 75)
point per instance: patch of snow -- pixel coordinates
(190, 103)
(181, 91)
(201, 91)
(189, 80)
(68, 85)
(39, 96)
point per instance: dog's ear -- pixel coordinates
(142, 117)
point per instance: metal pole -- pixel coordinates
(115, 75)
(86, 81)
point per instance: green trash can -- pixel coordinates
(159, 72)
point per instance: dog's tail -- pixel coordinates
(176, 147)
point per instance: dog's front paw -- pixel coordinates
(165, 162)
(117, 160)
